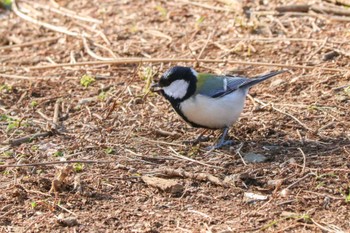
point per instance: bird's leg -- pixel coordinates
(222, 142)
(199, 139)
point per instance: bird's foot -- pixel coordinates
(220, 145)
(201, 138)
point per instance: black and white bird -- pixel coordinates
(206, 100)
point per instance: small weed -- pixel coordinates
(33, 204)
(58, 154)
(162, 11)
(147, 74)
(86, 80)
(34, 148)
(199, 22)
(6, 154)
(270, 224)
(33, 104)
(5, 87)
(6, 172)
(109, 150)
(102, 96)
(78, 167)
(347, 90)
(7, 4)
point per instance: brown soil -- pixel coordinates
(115, 133)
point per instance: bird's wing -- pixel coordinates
(217, 86)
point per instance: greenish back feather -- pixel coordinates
(207, 82)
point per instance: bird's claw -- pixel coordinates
(220, 145)
(197, 140)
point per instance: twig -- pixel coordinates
(196, 176)
(330, 10)
(285, 113)
(12, 76)
(206, 6)
(71, 14)
(19, 141)
(293, 8)
(238, 151)
(40, 23)
(56, 113)
(205, 45)
(55, 162)
(139, 60)
(304, 160)
(50, 39)
(92, 54)
(301, 179)
(192, 160)
(318, 49)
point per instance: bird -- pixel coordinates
(206, 100)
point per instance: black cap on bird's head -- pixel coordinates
(179, 82)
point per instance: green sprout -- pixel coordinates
(86, 80)
(199, 22)
(109, 150)
(7, 4)
(78, 167)
(5, 87)
(147, 74)
(102, 96)
(162, 11)
(33, 104)
(58, 154)
(347, 90)
(33, 204)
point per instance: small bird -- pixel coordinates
(206, 100)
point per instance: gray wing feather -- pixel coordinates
(231, 83)
(212, 89)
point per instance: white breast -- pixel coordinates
(214, 112)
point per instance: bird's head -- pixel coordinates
(178, 83)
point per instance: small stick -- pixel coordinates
(285, 113)
(71, 14)
(56, 112)
(205, 45)
(176, 154)
(238, 151)
(293, 8)
(301, 179)
(54, 163)
(19, 141)
(140, 60)
(92, 54)
(206, 6)
(40, 23)
(12, 76)
(304, 160)
(30, 43)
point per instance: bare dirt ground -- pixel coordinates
(119, 139)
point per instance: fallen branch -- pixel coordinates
(138, 60)
(293, 8)
(195, 176)
(40, 23)
(55, 163)
(176, 154)
(19, 141)
(330, 10)
(166, 185)
(50, 39)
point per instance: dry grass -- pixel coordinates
(113, 131)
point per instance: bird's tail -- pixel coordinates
(261, 78)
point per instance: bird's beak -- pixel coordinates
(155, 87)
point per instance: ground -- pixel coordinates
(129, 168)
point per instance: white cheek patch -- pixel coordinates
(177, 89)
